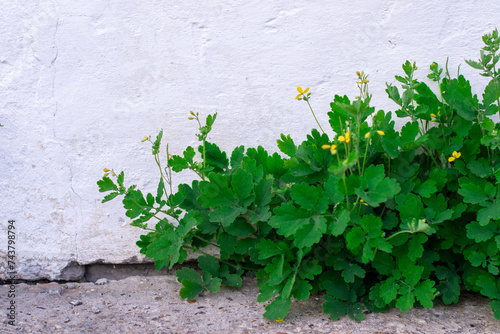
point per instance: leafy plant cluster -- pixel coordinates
(370, 218)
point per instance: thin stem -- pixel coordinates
(395, 234)
(169, 172)
(358, 128)
(204, 153)
(346, 195)
(496, 83)
(428, 150)
(447, 72)
(479, 121)
(498, 97)
(221, 261)
(200, 238)
(345, 184)
(307, 100)
(389, 164)
(157, 159)
(431, 155)
(364, 159)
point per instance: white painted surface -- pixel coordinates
(82, 82)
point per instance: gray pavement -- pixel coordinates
(151, 304)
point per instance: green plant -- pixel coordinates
(373, 217)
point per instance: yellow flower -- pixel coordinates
(332, 148)
(279, 320)
(454, 156)
(433, 115)
(380, 132)
(301, 92)
(363, 202)
(145, 138)
(367, 135)
(346, 138)
(106, 170)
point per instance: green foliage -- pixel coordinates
(372, 217)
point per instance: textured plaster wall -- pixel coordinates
(82, 82)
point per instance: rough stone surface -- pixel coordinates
(81, 83)
(152, 305)
(120, 271)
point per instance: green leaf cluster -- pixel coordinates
(370, 217)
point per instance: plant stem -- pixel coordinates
(307, 100)
(431, 155)
(157, 159)
(346, 195)
(395, 234)
(428, 150)
(388, 165)
(200, 238)
(366, 153)
(495, 77)
(358, 128)
(221, 261)
(345, 184)
(168, 171)
(204, 154)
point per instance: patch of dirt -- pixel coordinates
(152, 304)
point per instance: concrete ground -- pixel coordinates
(151, 304)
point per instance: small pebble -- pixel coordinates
(55, 291)
(76, 302)
(95, 310)
(102, 281)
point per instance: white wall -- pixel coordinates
(82, 82)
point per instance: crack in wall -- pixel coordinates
(55, 43)
(78, 213)
(54, 134)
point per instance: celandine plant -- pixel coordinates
(372, 218)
